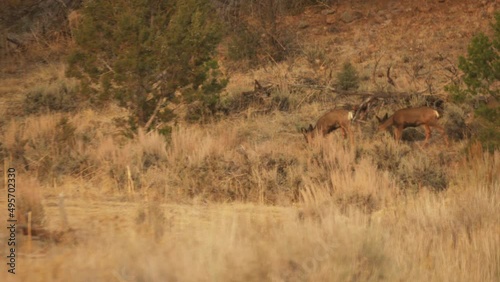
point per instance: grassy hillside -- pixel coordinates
(243, 197)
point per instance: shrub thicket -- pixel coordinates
(141, 52)
(481, 68)
(255, 32)
(56, 97)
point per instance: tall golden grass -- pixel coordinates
(342, 214)
(245, 199)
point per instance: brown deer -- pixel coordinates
(413, 117)
(329, 122)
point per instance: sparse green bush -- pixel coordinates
(420, 171)
(388, 155)
(46, 147)
(481, 68)
(316, 55)
(57, 97)
(140, 52)
(244, 45)
(455, 126)
(413, 134)
(412, 169)
(348, 77)
(204, 101)
(256, 33)
(489, 127)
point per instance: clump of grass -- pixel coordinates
(200, 166)
(387, 154)
(421, 171)
(60, 96)
(130, 164)
(346, 182)
(53, 91)
(153, 148)
(455, 126)
(47, 146)
(411, 167)
(29, 199)
(316, 55)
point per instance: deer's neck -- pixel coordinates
(387, 123)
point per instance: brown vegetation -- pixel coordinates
(242, 198)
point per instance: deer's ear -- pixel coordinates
(379, 119)
(386, 116)
(311, 127)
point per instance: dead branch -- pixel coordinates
(375, 69)
(16, 42)
(155, 112)
(389, 79)
(107, 65)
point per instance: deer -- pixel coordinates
(413, 117)
(328, 123)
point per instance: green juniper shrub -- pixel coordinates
(140, 52)
(348, 77)
(481, 68)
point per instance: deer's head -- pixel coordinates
(381, 122)
(309, 133)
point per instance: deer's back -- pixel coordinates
(333, 117)
(415, 116)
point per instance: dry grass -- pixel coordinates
(348, 219)
(451, 235)
(245, 199)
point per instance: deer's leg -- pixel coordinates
(398, 133)
(349, 130)
(428, 133)
(344, 132)
(351, 135)
(323, 131)
(348, 133)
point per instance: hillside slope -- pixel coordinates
(420, 41)
(243, 197)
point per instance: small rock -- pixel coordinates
(328, 12)
(330, 19)
(350, 16)
(303, 25)
(333, 29)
